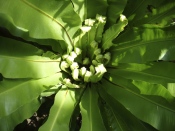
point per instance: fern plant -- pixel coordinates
(109, 60)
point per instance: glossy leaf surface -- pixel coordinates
(139, 45)
(61, 111)
(53, 20)
(155, 72)
(19, 99)
(91, 118)
(117, 116)
(89, 8)
(113, 31)
(152, 109)
(113, 13)
(157, 12)
(20, 60)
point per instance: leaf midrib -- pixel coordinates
(90, 109)
(159, 16)
(146, 99)
(145, 73)
(16, 86)
(58, 112)
(136, 8)
(109, 38)
(48, 16)
(31, 101)
(144, 43)
(155, 103)
(24, 59)
(116, 118)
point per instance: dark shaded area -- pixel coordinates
(149, 127)
(173, 19)
(1, 77)
(38, 118)
(5, 33)
(150, 8)
(76, 120)
(79, 122)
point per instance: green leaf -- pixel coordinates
(149, 127)
(149, 88)
(171, 88)
(157, 12)
(91, 118)
(148, 11)
(155, 72)
(113, 13)
(153, 89)
(61, 111)
(111, 33)
(84, 39)
(118, 117)
(53, 20)
(19, 99)
(100, 27)
(13, 47)
(139, 45)
(17, 63)
(154, 110)
(89, 8)
(75, 123)
(7, 22)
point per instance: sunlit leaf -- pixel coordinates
(154, 110)
(148, 43)
(117, 116)
(89, 8)
(111, 33)
(157, 12)
(91, 118)
(18, 63)
(113, 13)
(53, 20)
(61, 111)
(19, 99)
(155, 72)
